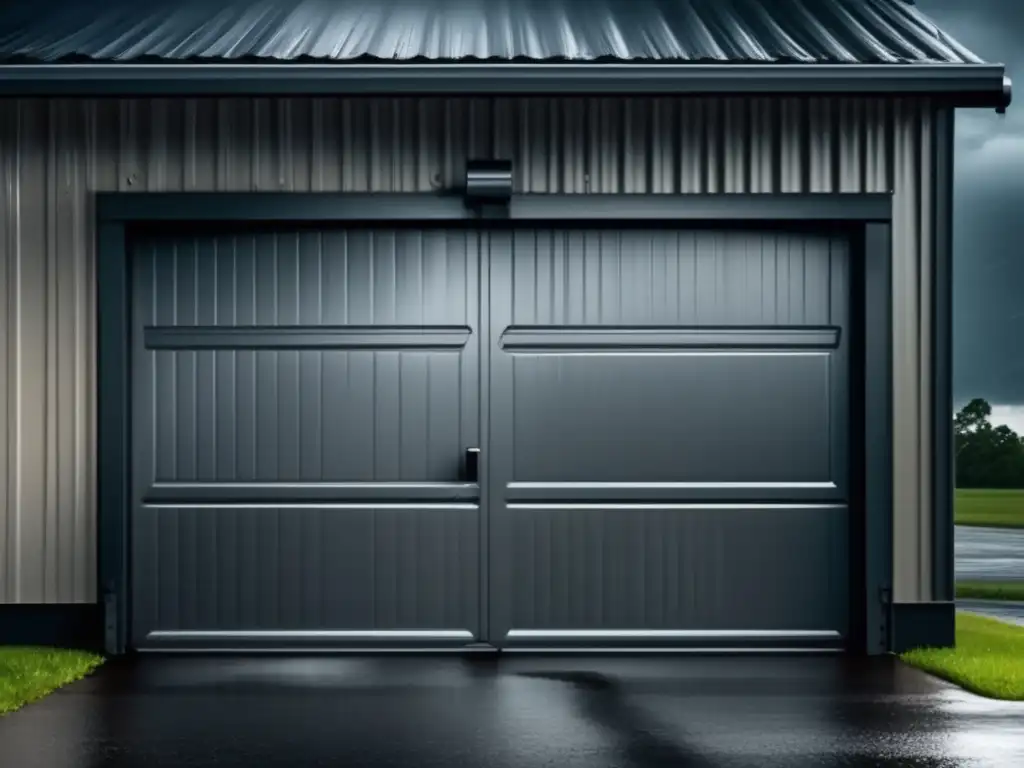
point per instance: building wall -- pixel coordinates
(55, 153)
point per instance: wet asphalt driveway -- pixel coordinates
(522, 711)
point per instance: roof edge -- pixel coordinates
(962, 85)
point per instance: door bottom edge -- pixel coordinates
(333, 650)
(490, 650)
(673, 651)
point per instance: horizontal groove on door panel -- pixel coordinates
(673, 639)
(596, 493)
(378, 635)
(817, 649)
(598, 506)
(331, 649)
(679, 486)
(671, 634)
(389, 337)
(582, 338)
(233, 492)
(341, 506)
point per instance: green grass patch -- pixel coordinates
(990, 508)
(991, 590)
(988, 658)
(28, 673)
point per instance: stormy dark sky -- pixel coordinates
(988, 244)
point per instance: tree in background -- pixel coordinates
(986, 456)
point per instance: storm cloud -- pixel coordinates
(988, 242)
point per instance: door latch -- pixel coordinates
(472, 465)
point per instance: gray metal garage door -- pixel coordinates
(662, 418)
(668, 438)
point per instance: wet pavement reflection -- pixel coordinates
(1011, 611)
(517, 710)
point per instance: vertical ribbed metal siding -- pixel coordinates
(53, 153)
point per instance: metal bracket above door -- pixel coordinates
(488, 187)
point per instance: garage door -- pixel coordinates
(668, 438)
(661, 418)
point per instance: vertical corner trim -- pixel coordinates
(112, 374)
(878, 475)
(942, 449)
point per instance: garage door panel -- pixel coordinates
(668, 437)
(302, 403)
(636, 567)
(258, 415)
(341, 569)
(674, 277)
(317, 277)
(389, 395)
(683, 417)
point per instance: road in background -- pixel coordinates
(989, 554)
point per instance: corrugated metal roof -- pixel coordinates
(751, 31)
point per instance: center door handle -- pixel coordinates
(472, 465)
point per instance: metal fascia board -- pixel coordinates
(414, 206)
(978, 85)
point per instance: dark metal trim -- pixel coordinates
(856, 470)
(113, 409)
(772, 497)
(833, 207)
(923, 625)
(567, 338)
(275, 207)
(271, 207)
(484, 356)
(791, 640)
(967, 85)
(877, 388)
(942, 458)
(305, 337)
(60, 625)
(317, 641)
(311, 493)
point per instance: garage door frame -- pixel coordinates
(866, 217)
